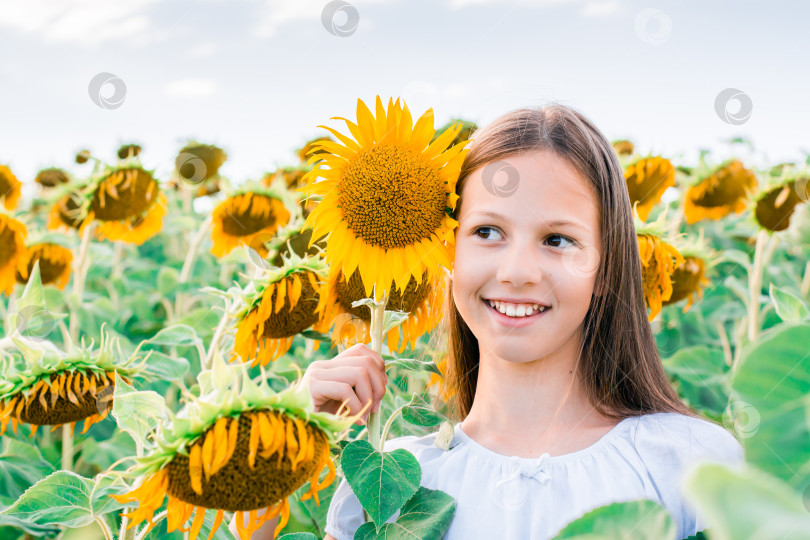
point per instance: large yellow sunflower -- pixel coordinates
(387, 196)
(9, 188)
(724, 191)
(12, 251)
(647, 180)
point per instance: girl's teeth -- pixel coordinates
(516, 311)
(510, 310)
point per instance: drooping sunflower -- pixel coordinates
(278, 304)
(726, 190)
(647, 180)
(312, 147)
(422, 301)
(293, 238)
(69, 211)
(659, 259)
(250, 216)
(387, 196)
(12, 251)
(51, 177)
(623, 147)
(239, 447)
(42, 385)
(774, 207)
(9, 188)
(690, 277)
(198, 165)
(54, 258)
(127, 151)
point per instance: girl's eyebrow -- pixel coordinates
(555, 223)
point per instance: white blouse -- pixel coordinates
(497, 496)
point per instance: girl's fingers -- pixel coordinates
(339, 392)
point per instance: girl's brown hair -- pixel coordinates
(619, 366)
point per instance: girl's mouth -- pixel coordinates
(515, 315)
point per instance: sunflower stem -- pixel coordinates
(724, 341)
(108, 535)
(118, 252)
(805, 288)
(377, 322)
(223, 323)
(755, 284)
(80, 267)
(188, 263)
(67, 447)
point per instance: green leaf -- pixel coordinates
(419, 413)
(428, 514)
(177, 335)
(414, 365)
(382, 481)
(166, 367)
(701, 376)
(746, 503)
(769, 407)
(633, 520)
(739, 257)
(136, 412)
(298, 536)
(65, 498)
(789, 307)
(319, 336)
(167, 280)
(392, 319)
(21, 465)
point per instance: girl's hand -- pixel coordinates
(356, 376)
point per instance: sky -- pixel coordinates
(257, 77)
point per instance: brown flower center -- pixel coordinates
(123, 194)
(406, 301)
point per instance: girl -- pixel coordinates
(564, 402)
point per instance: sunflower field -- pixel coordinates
(174, 318)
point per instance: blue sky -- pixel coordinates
(257, 76)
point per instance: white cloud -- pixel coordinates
(203, 51)
(600, 9)
(273, 14)
(84, 22)
(191, 88)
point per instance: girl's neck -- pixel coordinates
(523, 406)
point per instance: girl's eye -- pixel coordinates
(478, 230)
(565, 238)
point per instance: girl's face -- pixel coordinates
(528, 237)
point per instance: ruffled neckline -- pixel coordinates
(546, 458)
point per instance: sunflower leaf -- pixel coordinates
(789, 307)
(392, 319)
(319, 336)
(419, 413)
(136, 412)
(413, 364)
(427, 514)
(633, 520)
(65, 498)
(382, 481)
(21, 465)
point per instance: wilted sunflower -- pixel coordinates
(9, 188)
(423, 302)
(69, 211)
(311, 148)
(690, 277)
(127, 151)
(54, 263)
(239, 447)
(623, 147)
(278, 304)
(198, 165)
(659, 259)
(647, 180)
(250, 217)
(775, 206)
(724, 191)
(12, 251)
(128, 204)
(293, 237)
(386, 196)
(42, 385)
(51, 177)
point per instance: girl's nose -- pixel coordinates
(519, 265)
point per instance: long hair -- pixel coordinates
(618, 365)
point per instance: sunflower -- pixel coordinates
(127, 151)
(659, 259)
(439, 382)
(198, 164)
(774, 207)
(292, 176)
(68, 212)
(51, 177)
(387, 197)
(128, 204)
(54, 263)
(312, 147)
(293, 238)
(422, 300)
(12, 251)
(278, 305)
(623, 147)
(9, 188)
(250, 216)
(647, 180)
(722, 192)
(238, 447)
(41, 385)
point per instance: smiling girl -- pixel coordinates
(563, 402)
